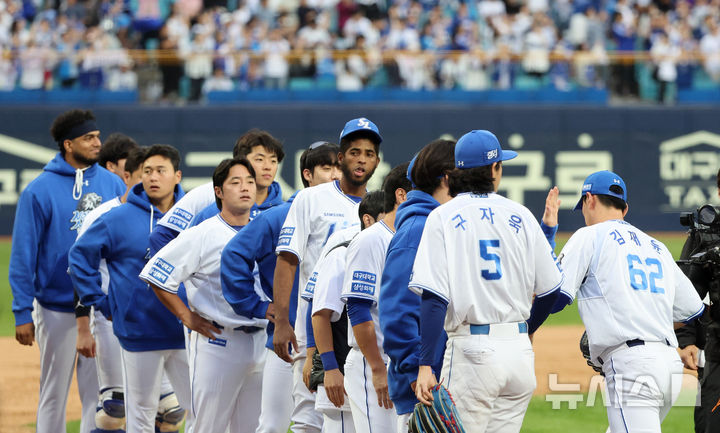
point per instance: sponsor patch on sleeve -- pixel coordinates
(363, 289)
(363, 283)
(161, 270)
(365, 277)
(286, 235)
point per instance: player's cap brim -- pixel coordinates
(508, 154)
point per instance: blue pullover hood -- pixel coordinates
(399, 308)
(48, 214)
(121, 236)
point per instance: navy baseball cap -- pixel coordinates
(479, 148)
(360, 124)
(600, 183)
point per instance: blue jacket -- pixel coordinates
(46, 222)
(140, 321)
(274, 198)
(255, 243)
(399, 308)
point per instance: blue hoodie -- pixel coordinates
(255, 243)
(274, 198)
(46, 223)
(140, 321)
(399, 308)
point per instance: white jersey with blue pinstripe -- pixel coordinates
(487, 257)
(627, 285)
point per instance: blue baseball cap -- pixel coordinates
(600, 183)
(479, 148)
(360, 124)
(409, 170)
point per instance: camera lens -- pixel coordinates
(707, 215)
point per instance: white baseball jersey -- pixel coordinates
(325, 284)
(486, 256)
(194, 258)
(627, 284)
(363, 272)
(315, 214)
(182, 213)
(87, 222)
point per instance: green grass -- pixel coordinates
(7, 320)
(542, 418)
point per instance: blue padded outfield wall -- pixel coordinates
(669, 157)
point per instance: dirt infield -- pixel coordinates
(556, 351)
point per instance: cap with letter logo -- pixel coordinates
(360, 124)
(601, 182)
(479, 148)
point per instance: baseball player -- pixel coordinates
(480, 260)
(150, 336)
(226, 353)
(255, 247)
(264, 152)
(315, 214)
(328, 318)
(49, 212)
(398, 308)
(630, 291)
(366, 365)
(102, 343)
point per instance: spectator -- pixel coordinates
(665, 56)
(218, 82)
(276, 67)
(122, 78)
(198, 63)
(710, 49)
(536, 61)
(624, 35)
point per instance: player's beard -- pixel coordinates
(350, 177)
(82, 159)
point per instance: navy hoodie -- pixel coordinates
(399, 308)
(255, 243)
(46, 222)
(121, 237)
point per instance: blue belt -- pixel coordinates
(485, 329)
(245, 329)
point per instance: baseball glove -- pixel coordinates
(441, 417)
(585, 349)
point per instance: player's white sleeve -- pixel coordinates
(178, 218)
(329, 282)
(575, 259)
(687, 304)
(364, 263)
(175, 262)
(293, 235)
(430, 270)
(548, 275)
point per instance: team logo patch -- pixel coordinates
(492, 154)
(218, 342)
(158, 275)
(364, 277)
(86, 203)
(587, 187)
(310, 288)
(364, 289)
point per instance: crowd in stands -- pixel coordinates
(215, 45)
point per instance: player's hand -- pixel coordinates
(270, 313)
(200, 325)
(85, 343)
(283, 337)
(425, 383)
(25, 333)
(380, 383)
(552, 205)
(689, 356)
(335, 387)
(307, 367)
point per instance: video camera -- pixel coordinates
(700, 259)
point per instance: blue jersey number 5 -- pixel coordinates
(487, 255)
(638, 277)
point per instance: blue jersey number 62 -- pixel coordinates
(639, 279)
(485, 245)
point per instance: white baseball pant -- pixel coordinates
(368, 417)
(226, 381)
(402, 422)
(56, 335)
(491, 377)
(142, 380)
(334, 420)
(642, 383)
(304, 417)
(277, 398)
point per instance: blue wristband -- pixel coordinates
(329, 361)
